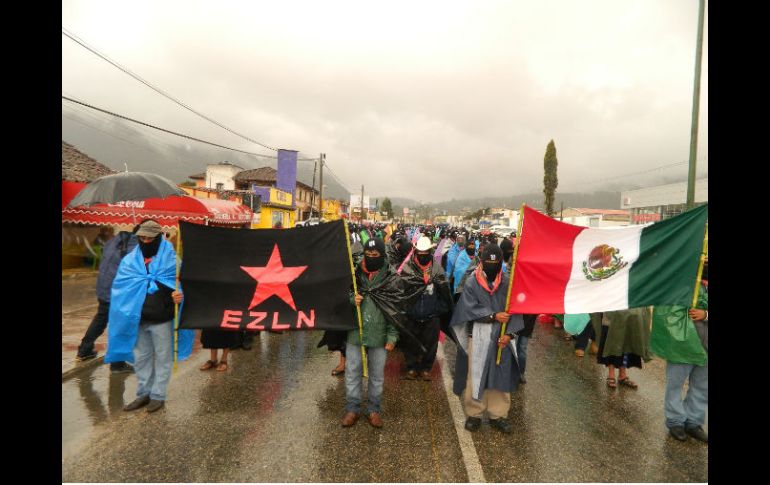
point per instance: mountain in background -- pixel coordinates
(117, 142)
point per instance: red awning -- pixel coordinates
(69, 190)
(226, 212)
(166, 211)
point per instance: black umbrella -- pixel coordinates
(125, 186)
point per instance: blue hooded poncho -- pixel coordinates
(133, 282)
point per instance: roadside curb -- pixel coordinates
(80, 367)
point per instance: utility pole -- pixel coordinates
(312, 190)
(561, 217)
(361, 219)
(695, 109)
(321, 188)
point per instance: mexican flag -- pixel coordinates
(561, 268)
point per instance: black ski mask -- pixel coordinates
(492, 261)
(470, 248)
(376, 262)
(424, 258)
(150, 249)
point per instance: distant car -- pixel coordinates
(503, 231)
(313, 221)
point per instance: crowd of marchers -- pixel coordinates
(413, 283)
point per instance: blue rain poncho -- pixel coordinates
(132, 284)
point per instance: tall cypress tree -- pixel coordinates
(550, 180)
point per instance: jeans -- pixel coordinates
(354, 377)
(690, 412)
(521, 351)
(154, 359)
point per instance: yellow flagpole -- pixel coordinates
(355, 292)
(700, 266)
(176, 287)
(510, 282)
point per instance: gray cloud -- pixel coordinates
(415, 99)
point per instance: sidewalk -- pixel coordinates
(78, 308)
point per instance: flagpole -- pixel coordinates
(355, 292)
(700, 267)
(176, 287)
(510, 282)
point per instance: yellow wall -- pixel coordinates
(266, 218)
(332, 209)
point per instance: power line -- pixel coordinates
(169, 131)
(638, 173)
(339, 181)
(93, 117)
(82, 43)
(123, 139)
(127, 71)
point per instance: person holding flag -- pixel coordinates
(379, 292)
(142, 316)
(680, 335)
(476, 324)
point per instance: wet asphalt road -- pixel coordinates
(274, 417)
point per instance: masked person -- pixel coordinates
(477, 324)
(403, 249)
(336, 340)
(463, 262)
(453, 253)
(142, 316)
(378, 291)
(427, 298)
(522, 340)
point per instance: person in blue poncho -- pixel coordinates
(142, 316)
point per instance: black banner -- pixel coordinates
(266, 279)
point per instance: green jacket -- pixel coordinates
(377, 330)
(674, 336)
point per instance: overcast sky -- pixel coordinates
(423, 99)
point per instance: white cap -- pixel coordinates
(423, 244)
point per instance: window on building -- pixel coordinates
(220, 186)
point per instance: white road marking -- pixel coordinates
(468, 449)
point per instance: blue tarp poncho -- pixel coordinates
(132, 284)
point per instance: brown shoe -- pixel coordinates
(411, 375)
(350, 419)
(580, 352)
(425, 375)
(375, 419)
(593, 349)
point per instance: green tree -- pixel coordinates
(387, 207)
(550, 180)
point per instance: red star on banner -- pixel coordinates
(273, 279)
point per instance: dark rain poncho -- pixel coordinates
(476, 303)
(414, 286)
(387, 295)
